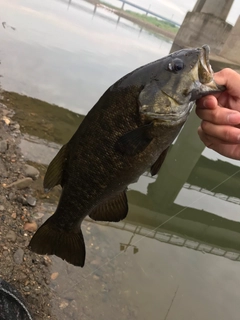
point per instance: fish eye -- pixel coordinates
(176, 65)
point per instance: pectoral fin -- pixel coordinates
(157, 165)
(55, 169)
(135, 141)
(113, 209)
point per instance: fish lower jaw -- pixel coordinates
(173, 121)
(171, 117)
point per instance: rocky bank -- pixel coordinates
(28, 272)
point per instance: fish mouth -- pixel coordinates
(204, 83)
(205, 72)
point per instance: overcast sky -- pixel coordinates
(177, 9)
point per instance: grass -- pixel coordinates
(165, 25)
(155, 21)
(109, 5)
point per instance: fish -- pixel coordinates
(127, 132)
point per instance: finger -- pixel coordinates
(206, 139)
(220, 116)
(210, 140)
(227, 150)
(227, 134)
(208, 102)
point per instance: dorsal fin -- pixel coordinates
(55, 169)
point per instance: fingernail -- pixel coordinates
(233, 118)
(205, 104)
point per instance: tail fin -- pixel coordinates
(67, 245)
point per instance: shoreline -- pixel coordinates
(28, 272)
(146, 25)
(141, 23)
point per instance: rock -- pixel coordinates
(14, 215)
(6, 120)
(3, 170)
(31, 172)
(5, 253)
(30, 226)
(95, 262)
(38, 215)
(2, 199)
(18, 256)
(21, 183)
(31, 201)
(2, 208)
(68, 295)
(54, 275)
(5, 111)
(22, 200)
(3, 146)
(15, 126)
(11, 235)
(63, 304)
(11, 196)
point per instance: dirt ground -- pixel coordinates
(28, 272)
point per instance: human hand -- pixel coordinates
(220, 128)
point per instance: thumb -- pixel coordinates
(230, 79)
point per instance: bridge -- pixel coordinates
(147, 11)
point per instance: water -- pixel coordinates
(176, 256)
(75, 55)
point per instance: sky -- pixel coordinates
(177, 9)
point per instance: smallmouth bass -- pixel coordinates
(127, 132)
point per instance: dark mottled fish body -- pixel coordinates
(127, 132)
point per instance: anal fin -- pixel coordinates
(113, 209)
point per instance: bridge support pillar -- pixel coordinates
(219, 8)
(205, 24)
(231, 47)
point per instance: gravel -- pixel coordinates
(28, 272)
